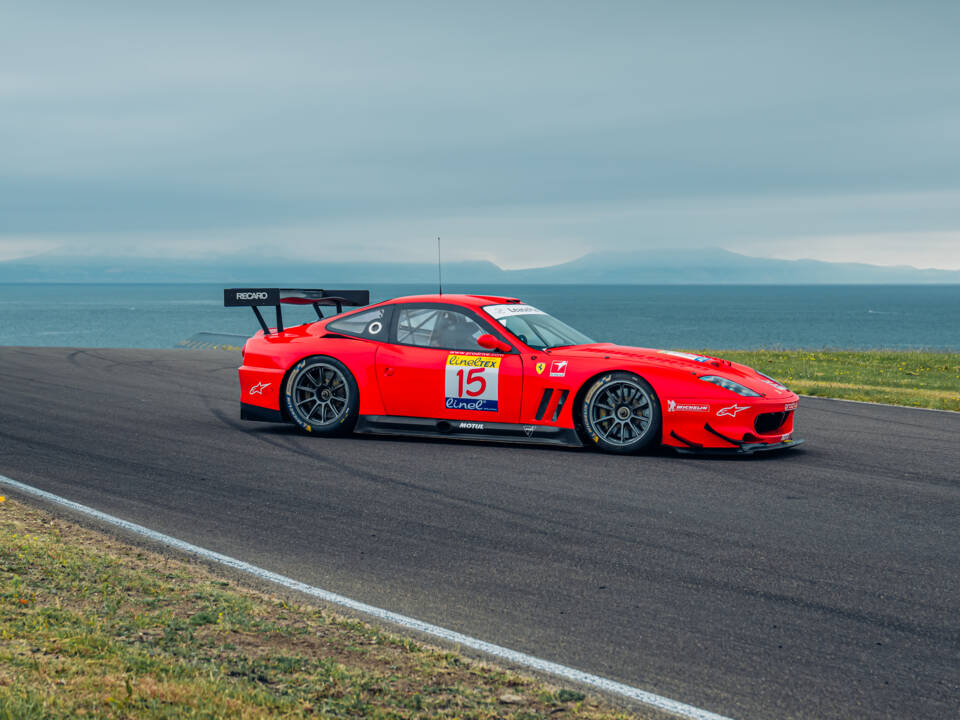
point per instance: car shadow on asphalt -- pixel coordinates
(290, 432)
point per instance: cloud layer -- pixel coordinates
(521, 132)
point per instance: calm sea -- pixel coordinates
(670, 316)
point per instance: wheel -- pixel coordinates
(620, 413)
(322, 396)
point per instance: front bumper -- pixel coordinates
(740, 427)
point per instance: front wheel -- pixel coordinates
(322, 396)
(620, 413)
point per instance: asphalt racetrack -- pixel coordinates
(820, 583)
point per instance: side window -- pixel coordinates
(431, 327)
(368, 324)
(415, 326)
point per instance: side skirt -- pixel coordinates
(467, 430)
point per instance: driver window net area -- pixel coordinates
(429, 327)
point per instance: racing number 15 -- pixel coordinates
(471, 382)
(473, 376)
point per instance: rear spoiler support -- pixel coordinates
(256, 298)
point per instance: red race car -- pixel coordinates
(483, 367)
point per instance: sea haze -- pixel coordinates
(643, 267)
(667, 316)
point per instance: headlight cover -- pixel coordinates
(770, 381)
(730, 385)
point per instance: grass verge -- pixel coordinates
(91, 626)
(919, 379)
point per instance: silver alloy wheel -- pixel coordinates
(320, 393)
(621, 413)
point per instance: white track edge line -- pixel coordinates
(886, 405)
(513, 656)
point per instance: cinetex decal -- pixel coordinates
(471, 382)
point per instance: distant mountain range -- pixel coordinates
(638, 268)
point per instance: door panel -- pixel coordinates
(450, 384)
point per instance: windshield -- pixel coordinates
(535, 328)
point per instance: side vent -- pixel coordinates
(560, 402)
(544, 403)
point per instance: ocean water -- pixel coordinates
(668, 316)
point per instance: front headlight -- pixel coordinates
(730, 385)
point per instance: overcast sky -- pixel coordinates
(527, 133)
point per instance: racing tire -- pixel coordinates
(321, 396)
(620, 413)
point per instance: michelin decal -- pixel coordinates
(674, 406)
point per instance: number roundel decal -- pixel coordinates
(471, 382)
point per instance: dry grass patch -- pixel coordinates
(93, 627)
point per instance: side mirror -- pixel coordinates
(489, 342)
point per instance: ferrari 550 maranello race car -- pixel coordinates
(483, 367)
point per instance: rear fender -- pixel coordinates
(270, 361)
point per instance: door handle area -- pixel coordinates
(388, 371)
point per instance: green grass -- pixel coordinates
(919, 379)
(92, 627)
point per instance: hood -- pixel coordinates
(688, 362)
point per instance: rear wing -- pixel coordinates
(260, 297)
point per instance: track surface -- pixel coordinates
(824, 582)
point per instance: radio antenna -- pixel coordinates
(439, 268)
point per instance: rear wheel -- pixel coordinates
(620, 413)
(322, 396)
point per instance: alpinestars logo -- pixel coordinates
(259, 388)
(731, 411)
